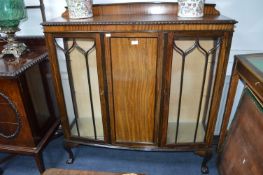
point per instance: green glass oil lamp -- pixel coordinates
(11, 12)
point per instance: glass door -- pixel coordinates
(192, 78)
(81, 75)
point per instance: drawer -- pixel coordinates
(251, 80)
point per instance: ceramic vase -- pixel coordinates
(78, 9)
(191, 8)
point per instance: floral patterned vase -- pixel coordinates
(79, 8)
(190, 8)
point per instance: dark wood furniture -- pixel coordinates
(240, 153)
(136, 76)
(55, 171)
(28, 117)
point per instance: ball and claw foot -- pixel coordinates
(70, 153)
(70, 161)
(204, 169)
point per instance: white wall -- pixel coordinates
(248, 35)
(249, 30)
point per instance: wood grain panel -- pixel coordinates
(142, 8)
(62, 27)
(229, 103)
(7, 114)
(134, 78)
(147, 8)
(11, 90)
(56, 171)
(242, 150)
(252, 79)
(36, 89)
(219, 83)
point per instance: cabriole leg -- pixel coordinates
(39, 161)
(68, 147)
(207, 157)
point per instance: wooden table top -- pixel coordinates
(254, 62)
(36, 53)
(55, 171)
(250, 70)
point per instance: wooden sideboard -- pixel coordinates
(28, 115)
(240, 153)
(136, 76)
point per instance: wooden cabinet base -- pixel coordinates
(36, 152)
(206, 154)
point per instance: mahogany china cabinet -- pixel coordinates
(28, 112)
(137, 76)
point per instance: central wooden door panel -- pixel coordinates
(133, 64)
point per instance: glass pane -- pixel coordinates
(191, 84)
(36, 89)
(256, 60)
(78, 68)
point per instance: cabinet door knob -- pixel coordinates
(102, 92)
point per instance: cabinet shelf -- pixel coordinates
(86, 128)
(186, 133)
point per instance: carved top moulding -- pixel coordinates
(142, 16)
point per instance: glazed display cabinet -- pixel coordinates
(136, 76)
(239, 152)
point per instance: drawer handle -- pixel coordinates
(257, 83)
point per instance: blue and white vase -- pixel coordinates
(191, 8)
(78, 9)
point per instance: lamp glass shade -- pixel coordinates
(11, 12)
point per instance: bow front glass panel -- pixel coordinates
(192, 80)
(78, 68)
